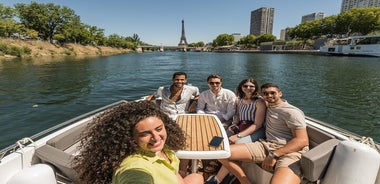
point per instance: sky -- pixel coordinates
(158, 22)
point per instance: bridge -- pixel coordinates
(163, 48)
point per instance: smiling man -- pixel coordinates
(217, 100)
(176, 98)
(286, 140)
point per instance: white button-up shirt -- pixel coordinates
(222, 104)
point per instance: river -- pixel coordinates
(36, 94)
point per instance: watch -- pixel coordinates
(239, 136)
(273, 155)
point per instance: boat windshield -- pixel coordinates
(367, 41)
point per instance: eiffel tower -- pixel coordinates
(183, 42)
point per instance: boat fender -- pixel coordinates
(35, 174)
(353, 162)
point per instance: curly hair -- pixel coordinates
(109, 139)
(239, 92)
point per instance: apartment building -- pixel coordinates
(349, 4)
(262, 21)
(312, 16)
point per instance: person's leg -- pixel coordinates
(243, 152)
(193, 178)
(288, 169)
(284, 175)
(183, 167)
(222, 173)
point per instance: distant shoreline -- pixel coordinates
(310, 52)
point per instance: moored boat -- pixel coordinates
(354, 46)
(336, 156)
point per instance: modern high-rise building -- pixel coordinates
(284, 34)
(262, 21)
(312, 16)
(349, 4)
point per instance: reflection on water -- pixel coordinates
(37, 94)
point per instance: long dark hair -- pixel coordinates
(239, 92)
(109, 139)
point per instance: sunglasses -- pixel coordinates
(246, 86)
(266, 93)
(212, 83)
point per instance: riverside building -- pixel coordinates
(262, 21)
(349, 4)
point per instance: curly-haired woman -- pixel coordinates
(132, 143)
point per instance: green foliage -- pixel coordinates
(223, 40)
(198, 44)
(360, 21)
(14, 51)
(53, 22)
(251, 41)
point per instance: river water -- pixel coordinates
(36, 94)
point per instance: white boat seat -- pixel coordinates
(60, 150)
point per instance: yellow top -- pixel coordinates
(147, 167)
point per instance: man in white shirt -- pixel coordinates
(217, 100)
(176, 98)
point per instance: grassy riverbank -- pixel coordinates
(11, 48)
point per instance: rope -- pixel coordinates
(368, 141)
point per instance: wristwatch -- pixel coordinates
(273, 155)
(239, 136)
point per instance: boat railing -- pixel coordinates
(14, 147)
(343, 134)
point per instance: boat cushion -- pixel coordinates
(317, 136)
(68, 138)
(60, 150)
(314, 163)
(57, 158)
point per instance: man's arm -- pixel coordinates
(193, 104)
(231, 107)
(299, 141)
(150, 98)
(201, 104)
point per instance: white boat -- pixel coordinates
(354, 46)
(336, 156)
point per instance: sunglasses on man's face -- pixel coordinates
(213, 83)
(267, 93)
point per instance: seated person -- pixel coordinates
(217, 100)
(178, 98)
(134, 142)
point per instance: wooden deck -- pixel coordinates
(199, 130)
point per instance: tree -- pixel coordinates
(197, 44)
(327, 26)
(265, 38)
(223, 40)
(6, 12)
(44, 18)
(248, 41)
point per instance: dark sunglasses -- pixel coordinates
(269, 93)
(246, 86)
(212, 83)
